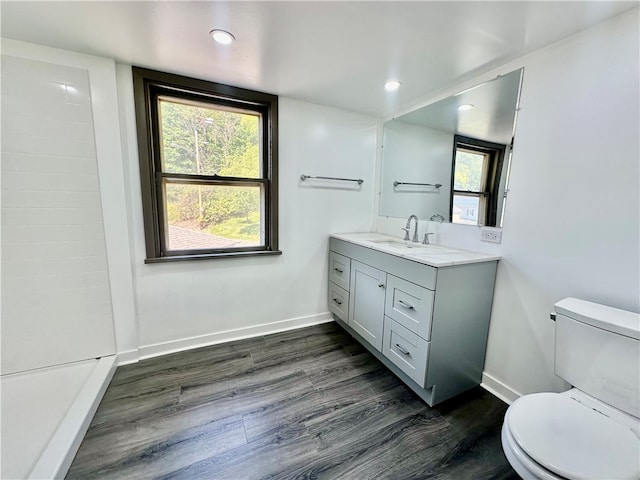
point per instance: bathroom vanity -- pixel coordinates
(423, 310)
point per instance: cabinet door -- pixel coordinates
(366, 305)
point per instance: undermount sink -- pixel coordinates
(406, 245)
(412, 249)
(395, 243)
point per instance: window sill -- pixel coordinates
(211, 256)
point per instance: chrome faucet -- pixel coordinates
(407, 229)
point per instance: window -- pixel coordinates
(476, 179)
(208, 167)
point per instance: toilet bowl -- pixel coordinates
(591, 432)
(553, 436)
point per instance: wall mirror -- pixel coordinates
(452, 158)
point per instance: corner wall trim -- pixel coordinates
(157, 349)
(127, 357)
(499, 389)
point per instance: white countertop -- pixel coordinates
(433, 255)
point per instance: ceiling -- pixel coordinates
(491, 117)
(329, 52)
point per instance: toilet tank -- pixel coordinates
(598, 352)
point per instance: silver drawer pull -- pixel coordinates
(337, 301)
(402, 349)
(338, 270)
(405, 305)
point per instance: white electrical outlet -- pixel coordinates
(491, 235)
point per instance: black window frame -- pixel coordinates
(148, 86)
(496, 154)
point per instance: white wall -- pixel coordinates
(572, 218)
(196, 302)
(579, 234)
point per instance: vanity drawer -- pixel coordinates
(339, 270)
(339, 301)
(410, 305)
(406, 350)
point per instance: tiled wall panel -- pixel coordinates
(56, 303)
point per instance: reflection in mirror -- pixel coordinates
(461, 143)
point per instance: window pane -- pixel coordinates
(466, 209)
(469, 171)
(198, 139)
(213, 216)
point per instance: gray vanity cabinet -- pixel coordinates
(429, 325)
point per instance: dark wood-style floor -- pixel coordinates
(309, 403)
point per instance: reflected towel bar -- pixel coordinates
(435, 185)
(358, 180)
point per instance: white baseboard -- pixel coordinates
(63, 446)
(499, 389)
(125, 358)
(157, 349)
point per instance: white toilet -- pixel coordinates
(593, 430)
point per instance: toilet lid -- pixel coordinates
(572, 440)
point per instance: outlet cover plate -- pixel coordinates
(493, 235)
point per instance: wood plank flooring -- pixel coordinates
(309, 403)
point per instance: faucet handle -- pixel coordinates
(406, 233)
(425, 240)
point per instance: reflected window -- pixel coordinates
(476, 179)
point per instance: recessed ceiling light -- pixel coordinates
(466, 106)
(222, 36)
(392, 85)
